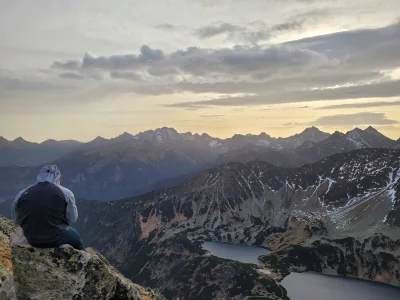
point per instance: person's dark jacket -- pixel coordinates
(45, 209)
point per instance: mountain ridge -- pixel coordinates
(308, 130)
(22, 152)
(127, 166)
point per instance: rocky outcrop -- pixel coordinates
(65, 273)
(298, 232)
(7, 230)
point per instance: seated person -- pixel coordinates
(45, 210)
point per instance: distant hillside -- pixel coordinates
(249, 152)
(340, 143)
(312, 150)
(22, 152)
(115, 171)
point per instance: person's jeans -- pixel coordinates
(71, 237)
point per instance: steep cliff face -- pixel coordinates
(65, 273)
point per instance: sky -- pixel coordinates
(73, 69)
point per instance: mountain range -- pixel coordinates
(107, 169)
(22, 152)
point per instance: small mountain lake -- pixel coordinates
(306, 286)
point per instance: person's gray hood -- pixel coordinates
(49, 173)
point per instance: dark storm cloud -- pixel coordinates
(361, 105)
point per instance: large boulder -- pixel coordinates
(68, 274)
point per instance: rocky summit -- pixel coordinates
(64, 273)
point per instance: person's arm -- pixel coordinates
(14, 212)
(71, 210)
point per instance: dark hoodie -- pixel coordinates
(45, 209)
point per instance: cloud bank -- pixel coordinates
(345, 65)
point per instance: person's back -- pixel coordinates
(44, 211)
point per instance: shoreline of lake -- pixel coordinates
(329, 287)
